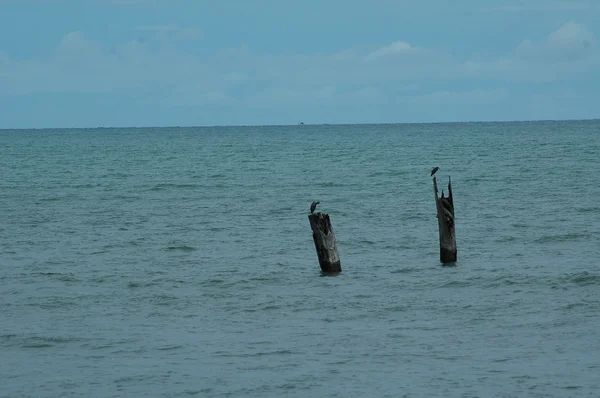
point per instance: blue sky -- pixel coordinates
(88, 63)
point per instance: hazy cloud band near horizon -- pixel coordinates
(142, 63)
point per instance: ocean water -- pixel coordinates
(174, 262)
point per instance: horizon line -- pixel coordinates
(298, 124)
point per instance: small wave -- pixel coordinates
(136, 379)
(213, 282)
(266, 278)
(564, 282)
(332, 185)
(51, 199)
(81, 186)
(282, 210)
(128, 197)
(217, 229)
(249, 257)
(367, 242)
(37, 345)
(58, 276)
(571, 306)
(327, 274)
(38, 341)
(161, 187)
(589, 210)
(135, 285)
(519, 225)
(561, 238)
(502, 281)
(363, 296)
(170, 347)
(261, 354)
(415, 216)
(474, 179)
(7, 337)
(585, 279)
(405, 270)
(196, 392)
(183, 248)
(271, 307)
(453, 284)
(164, 299)
(387, 173)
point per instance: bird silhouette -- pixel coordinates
(313, 206)
(434, 170)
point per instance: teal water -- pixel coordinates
(180, 262)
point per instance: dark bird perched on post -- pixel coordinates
(434, 170)
(313, 206)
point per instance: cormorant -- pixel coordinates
(313, 206)
(434, 170)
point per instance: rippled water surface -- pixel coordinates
(180, 262)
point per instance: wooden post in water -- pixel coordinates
(445, 216)
(324, 238)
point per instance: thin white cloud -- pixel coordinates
(4, 58)
(73, 41)
(128, 2)
(395, 48)
(570, 42)
(543, 6)
(321, 96)
(235, 76)
(469, 97)
(172, 31)
(571, 36)
(186, 98)
(158, 28)
(567, 52)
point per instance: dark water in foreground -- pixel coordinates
(179, 262)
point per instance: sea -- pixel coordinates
(177, 262)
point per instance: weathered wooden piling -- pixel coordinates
(445, 216)
(324, 238)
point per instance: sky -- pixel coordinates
(109, 63)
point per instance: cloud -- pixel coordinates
(395, 48)
(318, 98)
(568, 52)
(158, 28)
(543, 6)
(468, 97)
(128, 2)
(239, 78)
(571, 36)
(571, 42)
(73, 40)
(171, 31)
(4, 58)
